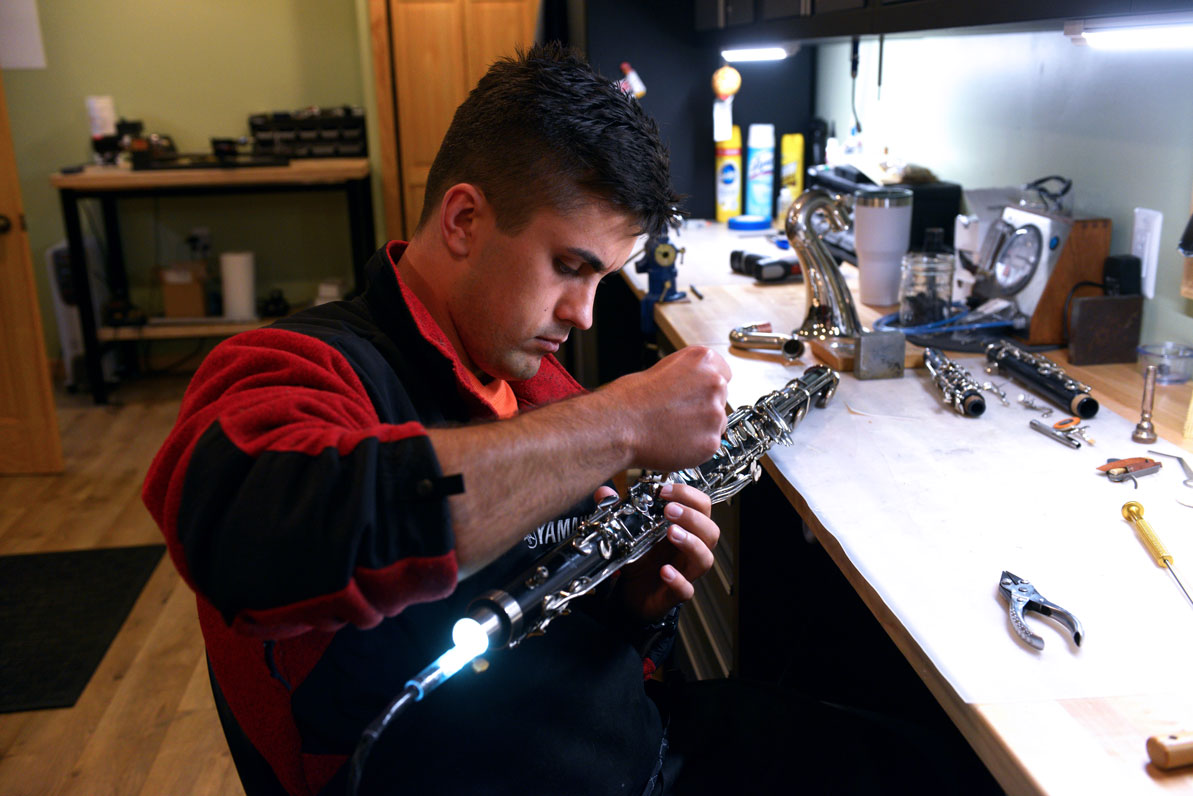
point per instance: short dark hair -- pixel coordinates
(544, 129)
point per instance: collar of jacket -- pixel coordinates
(392, 301)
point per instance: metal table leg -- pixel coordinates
(360, 227)
(117, 275)
(82, 286)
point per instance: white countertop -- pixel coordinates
(931, 507)
(923, 509)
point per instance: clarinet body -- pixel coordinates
(622, 530)
(955, 383)
(1044, 376)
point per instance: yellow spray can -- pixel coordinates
(729, 176)
(791, 163)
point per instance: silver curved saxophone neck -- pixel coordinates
(759, 335)
(831, 314)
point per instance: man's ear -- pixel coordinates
(462, 205)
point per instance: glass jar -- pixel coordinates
(926, 288)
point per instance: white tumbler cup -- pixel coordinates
(881, 236)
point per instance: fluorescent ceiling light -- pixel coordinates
(1157, 38)
(755, 54)
(1150, 32)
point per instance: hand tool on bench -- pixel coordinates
(1022, 596)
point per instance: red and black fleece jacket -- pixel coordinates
(302, 501)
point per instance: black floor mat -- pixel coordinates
(58, 614)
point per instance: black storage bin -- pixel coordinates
(310, 133)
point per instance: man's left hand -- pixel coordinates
(661, 579)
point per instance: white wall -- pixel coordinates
(1003, 109)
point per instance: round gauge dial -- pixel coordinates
(1018, 259)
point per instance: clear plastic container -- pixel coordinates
(926, 288)
(1173, 361)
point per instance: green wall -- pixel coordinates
(1004, 109)
(191, 70)
(982, 110)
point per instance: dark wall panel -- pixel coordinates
(658, 38)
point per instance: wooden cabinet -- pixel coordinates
(427, 56)
(779, 9)
(829, 6)
(716, 14)
(779, 20)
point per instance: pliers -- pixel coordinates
(1021, 596)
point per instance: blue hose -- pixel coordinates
(953, 324)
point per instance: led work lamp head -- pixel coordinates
(470, 640)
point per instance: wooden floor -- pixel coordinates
(146, 723)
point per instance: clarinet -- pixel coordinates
(1044, 376)
(622, 530)
(955, 383)
(619, 532)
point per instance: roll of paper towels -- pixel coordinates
(236, 275)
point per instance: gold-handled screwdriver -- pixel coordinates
(1133, 513)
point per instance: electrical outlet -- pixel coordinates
(1145, 244)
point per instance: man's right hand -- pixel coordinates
(674, 411)
(524, 471)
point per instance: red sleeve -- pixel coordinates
(287, 504)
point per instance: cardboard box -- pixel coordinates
(184, 289)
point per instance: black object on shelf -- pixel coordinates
(934, 204)
(310, 133)
(274, 306)
(205, 161)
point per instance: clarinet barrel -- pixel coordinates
(955, 383)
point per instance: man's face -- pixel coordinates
(523, 293)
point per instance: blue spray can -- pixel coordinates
(760, 170)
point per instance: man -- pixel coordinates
(340, 485)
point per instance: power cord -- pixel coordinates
(356, 765)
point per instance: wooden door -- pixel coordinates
(28, 424)
(427, 56)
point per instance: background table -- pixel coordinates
(350, 175)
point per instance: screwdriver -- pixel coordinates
(1133, 513)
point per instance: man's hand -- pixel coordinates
(666, 418)
(674, 412)
(661, 579)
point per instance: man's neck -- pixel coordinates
(433, 297)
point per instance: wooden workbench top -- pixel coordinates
(1032, 743)
(299, 171)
